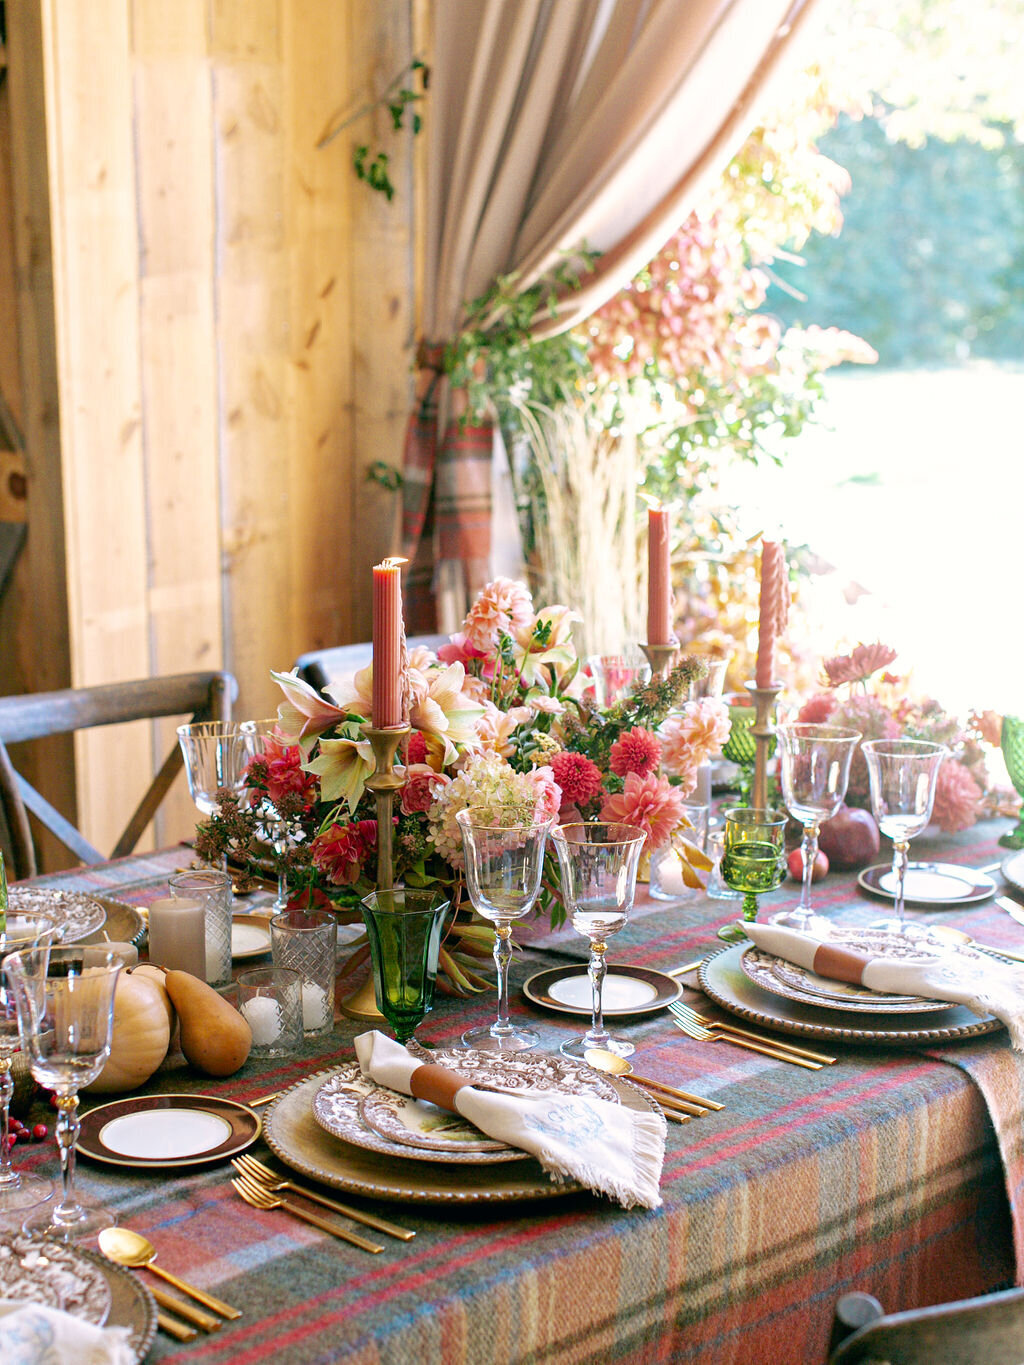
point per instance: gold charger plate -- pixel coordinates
(124, 924)
(721, 979)
(296, 1139)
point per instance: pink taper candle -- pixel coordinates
(387, 643)
(659, 578)
(774, 606)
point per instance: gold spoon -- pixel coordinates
(602, 1060)
(132, 1249)
(951, 935)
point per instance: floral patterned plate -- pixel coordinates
(412, 1129)
(38, 1270)
(74, 913)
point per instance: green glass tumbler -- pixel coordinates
(405, 928)
(1012, 745)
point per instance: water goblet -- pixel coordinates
(1012, 745)
(266, 742)
(902, 774)
(504, 861)
(598, 861)
(754, 858)
(19, 1190)
(741, 746)
(65, 1002)
(404, 927)
(814, 768)
(216, 753)
(615, 675)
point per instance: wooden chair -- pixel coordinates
(985, 1331)
(36, 715)
(320, 666)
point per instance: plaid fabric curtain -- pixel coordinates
(555, 124)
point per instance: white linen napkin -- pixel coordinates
(984, 984)
(606, 1147)
(35, 1334)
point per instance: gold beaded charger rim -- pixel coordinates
(298, 1142)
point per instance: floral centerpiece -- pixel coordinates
(502, 714)
(964, 790)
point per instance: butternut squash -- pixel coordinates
(214, 1037)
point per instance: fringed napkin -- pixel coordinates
(984, 984)
(35, 1334)
(606, 1147)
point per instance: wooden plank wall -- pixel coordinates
(233, 327)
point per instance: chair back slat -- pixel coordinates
(200, 696)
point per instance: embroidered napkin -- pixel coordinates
(984, 984)
(606, 1147)
(35, 1334)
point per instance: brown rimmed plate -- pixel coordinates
(626, 991)
(721, 978)
(929, 884)
(297, 1140)
(165, 1132)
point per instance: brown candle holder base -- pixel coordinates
(660, 657)
(763, 730)
(362, 1003)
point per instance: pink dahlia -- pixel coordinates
(650, 803)
(817, 709)
(636, 751)
(957, 798)
(578, 776)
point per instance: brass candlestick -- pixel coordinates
(383, 782)
(763, 731)
(660, 658)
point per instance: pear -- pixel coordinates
(214, 1037)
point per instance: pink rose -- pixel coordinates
(422, 787)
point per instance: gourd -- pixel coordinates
(214, 1037)
(141, 1035)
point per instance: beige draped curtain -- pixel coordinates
(555, 124)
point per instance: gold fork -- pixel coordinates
(261, 1198)
(249, 1166)
(688, 1012)
(704, 1035)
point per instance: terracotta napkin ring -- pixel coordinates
(840, 964)
(437, 1084)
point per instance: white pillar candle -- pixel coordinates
(264, 1017)
(314, 1006)
(177, 935)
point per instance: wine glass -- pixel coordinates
(19, 1190)
(616, 675)
(814, 768)
(266, 742)
(754, 859)
(504, 861)
(1012, 745)
(65, 1003)
(404, 927)
(902, 774)
(216, 753)
(598, 862)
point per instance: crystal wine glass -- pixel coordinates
(504, 861)
(265, 741)
(598, 863)
(404, 927)
(216, 753)
(814, 768)
(616, 675)
(18, 1189)
(1012, 745)
(902, 775)
(754, 859)
(65, 1003)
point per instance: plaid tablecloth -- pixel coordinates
(882, 1173)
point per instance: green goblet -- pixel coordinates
(754, 859)
(741, 746)
(1012, 745)
(404, 928)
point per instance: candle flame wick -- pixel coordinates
(392, 562)
(651, 501)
